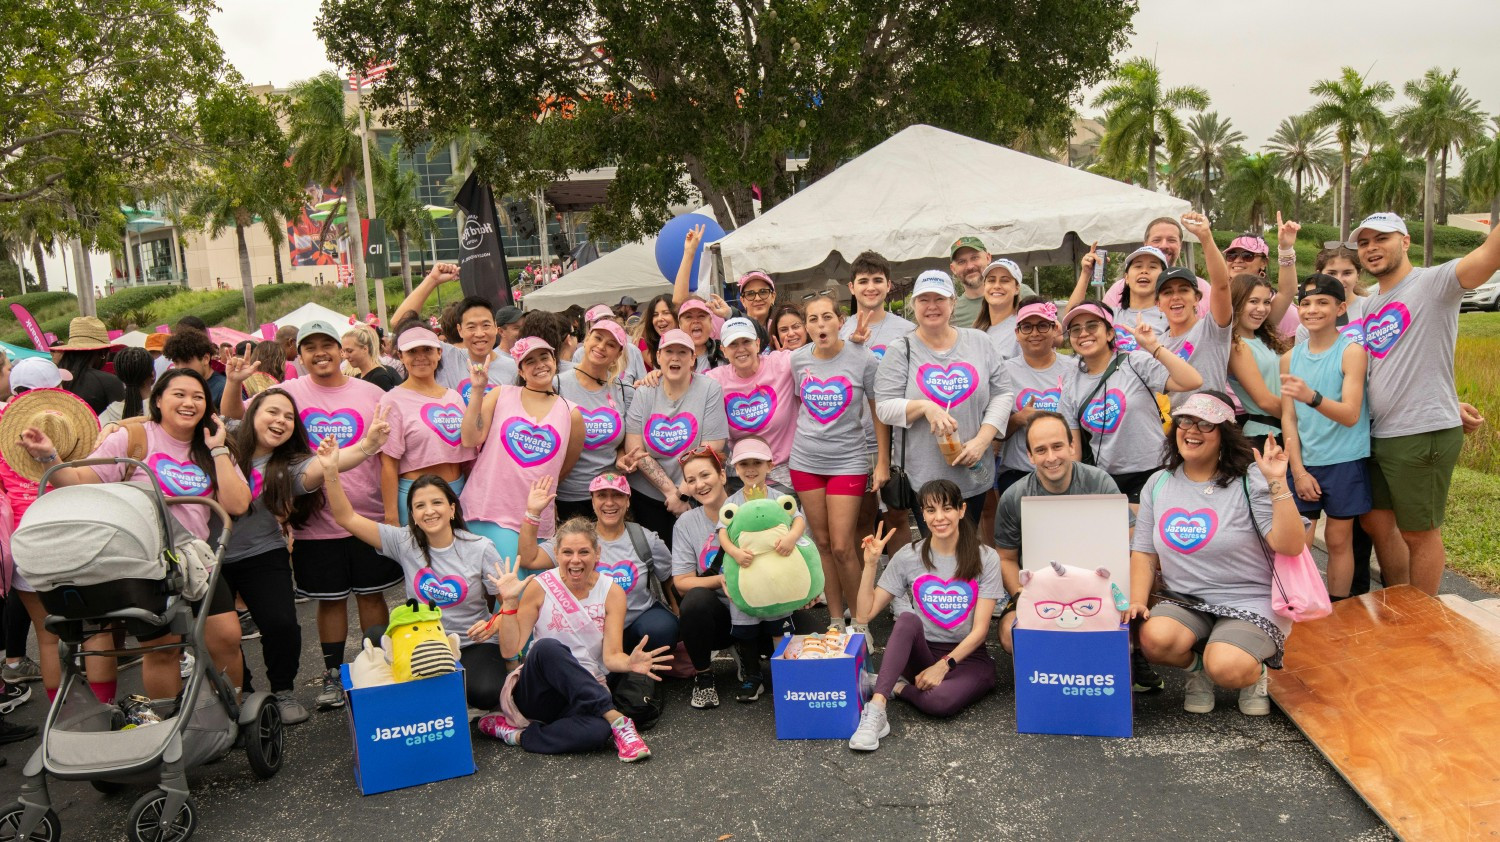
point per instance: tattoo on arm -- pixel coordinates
(1275, 487)
(653, 471)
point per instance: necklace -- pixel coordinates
(548, 392)
(580, 370)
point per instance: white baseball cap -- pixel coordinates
(37, 373)
(933, 280)
(1147, 251)
(1385, 222)
(738, 327)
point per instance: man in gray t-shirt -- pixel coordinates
(1410, 329)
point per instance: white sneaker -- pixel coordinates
(186, 664)
(872, 726)
(1255, 700)
(1199, 696)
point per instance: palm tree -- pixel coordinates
(396, 191)
(1141, 118)
(326, 148)
(1481, 179)
(1441, 115)
(1253, 187)
(1303, 148)
(1352, 109)
(1389, 180)
(1211, 142)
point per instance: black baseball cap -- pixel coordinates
(1177, 273)
(626, 301)
(507, 315)
(1321, 284)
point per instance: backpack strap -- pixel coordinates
(135, 437)
(642, 547)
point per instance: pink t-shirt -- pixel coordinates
(176, 473)
(425, 431)
(764, 405)
(344, 412)
(517, 452)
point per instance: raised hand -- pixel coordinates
(328, 457)
(479, 379)
(443, 273)
(692, 239)
(874, 545)
(1197, 225)
(1286, 232)
(237, 370)
(1272, 461)
(37, 444)
(645, 661)
(1086, 263)
(719, 307)
(861, 333)
(505, 581)
(216, 432)
(1144, 333)
(540, 497)
(380, 430)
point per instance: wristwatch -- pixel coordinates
(1317, 399)
(951, 663)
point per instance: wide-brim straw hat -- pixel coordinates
(63, 416)
(86, 333)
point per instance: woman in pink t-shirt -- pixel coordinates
(426, 421)
(758, 396)
(185, 449)
(524, 432)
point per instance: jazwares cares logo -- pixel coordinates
(818, 698)
(417, 733)
(1077, 684)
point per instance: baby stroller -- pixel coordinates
(105, 556)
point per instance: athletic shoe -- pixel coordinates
(628, 742)
(12, 696)
(13, 733)
(750, 690)
(1143, 676)
(292, 711)
(186, 663)
(248, 629)
(497, 726)
(1199, 695)
(1255, 700)
(705, 694)
(20, 672)
(332, 694)
(872, 726)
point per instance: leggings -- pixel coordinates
(403, 496)
(507, 541)
(706, 625)
(973, 512)
(907, 653)
(16, 625)
(484, 674)
(265, 583)
(657, 624)
(565, 703)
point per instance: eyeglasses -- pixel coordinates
(1086, 327)
(758, 295)
(808, 296)
(1086, 607)
(702, 451)
(1186, 423)
(1337, 244)
(1028, 328)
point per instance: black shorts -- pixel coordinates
(334, 568)
(1131, 484)
(221, 601)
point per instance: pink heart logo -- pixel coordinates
(826, 400)
(1044, 399)
(446, 420)
(750, 412)
(527, 443)
(441, 590)
(601, 427)
(1188, 532)
(947, 385)
(669, 435)
(1384, 329)
(344, 425)
(1103, 414)
(623, 572)
(946, 602)
(179, 479)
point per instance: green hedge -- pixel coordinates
(134, 298)
(271, 292)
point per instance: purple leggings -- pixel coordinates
(907, 653)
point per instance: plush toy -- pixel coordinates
(415, 645)
(773, 584)
(370, 668)
(1069, 599)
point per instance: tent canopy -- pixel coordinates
(16, 352)
(313, 311)
(911, 196)
(132, 339)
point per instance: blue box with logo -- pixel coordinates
(1073, 682)
(820, 698)
(410, 733)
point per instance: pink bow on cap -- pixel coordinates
(1045, 309)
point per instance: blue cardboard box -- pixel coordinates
(820, 699)
(410, 733)
(1073, 682)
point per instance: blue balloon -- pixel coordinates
(669, 244)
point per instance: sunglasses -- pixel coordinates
(758, 295)
(1338, 244)
(702, 451)
(1189, 423)
(1240, 254)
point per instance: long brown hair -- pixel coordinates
(276, 480)
(940, 492)
(1235, 453)
(1240, 289)
(648, 326)
(1327, 256)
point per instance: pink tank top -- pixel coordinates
(576, 623)
(518, 451)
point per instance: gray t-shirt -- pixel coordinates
(603, 409)
(1087, 479)
(671, 428)
(1004, 337)
(834, 399)
(618, 560)
(258, 531)
(1127, 316)
(882, 334)
(945, 604)
(1122, 418)
(1036, 388)
(962, 379)
(1410, 333)
(454, 580)
(454, 372)
(695, 545)
(635, 364)
(1205, 347)
(1205, 540)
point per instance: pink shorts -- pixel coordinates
(844, 485)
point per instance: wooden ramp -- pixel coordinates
(1402, 695)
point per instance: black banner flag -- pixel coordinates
(481, 257)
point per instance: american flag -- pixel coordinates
(374, 73)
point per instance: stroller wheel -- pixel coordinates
(49, 829)
(107, 787)
(148, 825)
(265, 740)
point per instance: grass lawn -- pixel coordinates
(1472, 526)
(1476, 365)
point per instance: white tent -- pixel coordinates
(911, 196)
(133, 339)
(313, 311)
(628, 270)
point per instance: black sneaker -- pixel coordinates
(750, 690)
(1143, 676)
(248, 629)
(12, 695)
(13, 733)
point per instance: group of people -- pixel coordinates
(556, 483)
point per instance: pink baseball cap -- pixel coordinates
(756, 275)
(526, 345)
(676, 336)
(418, 337)
(1205, 406)
(1254, 245)
(609, 482)
(1041, 309)
(597, 312)
(615, 332)
(751, 447)
(693, 304)
(1092, 308)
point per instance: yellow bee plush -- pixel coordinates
(415, 645)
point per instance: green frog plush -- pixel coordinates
(773, 584)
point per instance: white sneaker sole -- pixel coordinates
(885, 731)
(1198, 707)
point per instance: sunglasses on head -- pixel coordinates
(808, 296)
(702, 451)
(1337, 244)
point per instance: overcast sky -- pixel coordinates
(1255, 61)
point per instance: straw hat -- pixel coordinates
(63, 416)
(86, 333)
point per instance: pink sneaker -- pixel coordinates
(628, 741)
(497, 726)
